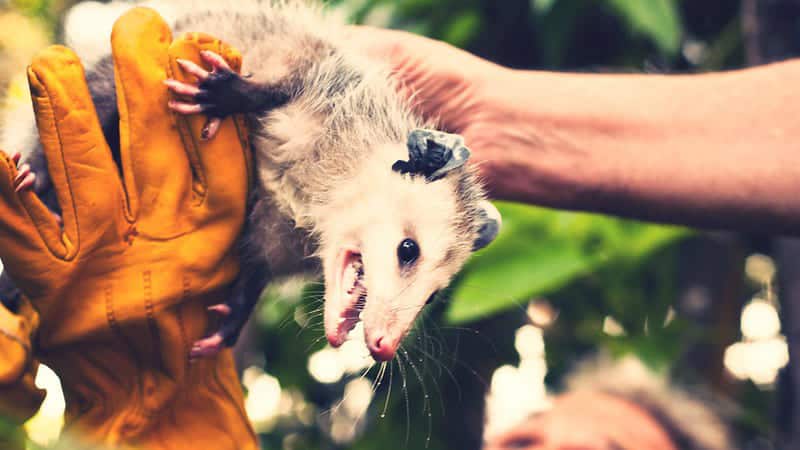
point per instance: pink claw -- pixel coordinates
(194, 69)
(207, 347)
(185, 108)
(15, 157)
(25, 178)
(216, 61)
(211, 128)
(221, 309)
(181, 88)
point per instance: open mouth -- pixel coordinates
(352, 292)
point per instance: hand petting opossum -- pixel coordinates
(349, 182)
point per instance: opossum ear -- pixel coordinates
(433, 154)
(490, 225)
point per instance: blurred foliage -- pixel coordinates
(540, 251)
(589, 267)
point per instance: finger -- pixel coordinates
(222, 163)
(193, 69)
(79, 160)
(158, 177)
(178, 88)
(216, 61)
(186, 108)
(211, 129)
(16, 157)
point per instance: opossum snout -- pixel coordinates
(381, 346)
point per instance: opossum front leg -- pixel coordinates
(235, 312)
(223, 92)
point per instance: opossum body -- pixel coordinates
(326, 127)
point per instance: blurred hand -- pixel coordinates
(444, 83)
(490, 105)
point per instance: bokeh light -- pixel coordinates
(45, 427)
(763, 350)
(518, 391)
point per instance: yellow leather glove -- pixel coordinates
(122, 290)
(19, 397)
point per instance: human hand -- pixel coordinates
(122, 289)
(520, 157)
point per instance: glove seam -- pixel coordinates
(16, 339)
(187, 290)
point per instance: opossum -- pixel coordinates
(350, 182)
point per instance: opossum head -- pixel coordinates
(391, 241)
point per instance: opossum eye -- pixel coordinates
(407, 252)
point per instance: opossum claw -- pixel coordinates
(211, 128)
(194, 69)
(221, 309)
(25, 178)
(181, 88)
(15, 157)
(186, 108)
(209, 346)
(216, 61)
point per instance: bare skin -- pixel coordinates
(586, 421)
(714, 150)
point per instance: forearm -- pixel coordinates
(716, 150)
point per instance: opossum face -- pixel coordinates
(395, 243)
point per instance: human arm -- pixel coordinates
(712, 150)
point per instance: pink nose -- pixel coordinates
(380, 349)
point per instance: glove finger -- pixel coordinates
(27, 228)
(221, 164)
(157, 174)
(78, 158)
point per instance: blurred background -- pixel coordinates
(707, 310)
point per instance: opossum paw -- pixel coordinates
(218, 93)
(207, 347)
(195, 99)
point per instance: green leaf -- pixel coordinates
(462, 28)
(659, 20)
(542, 6)
(556, 25)
(539, 251)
